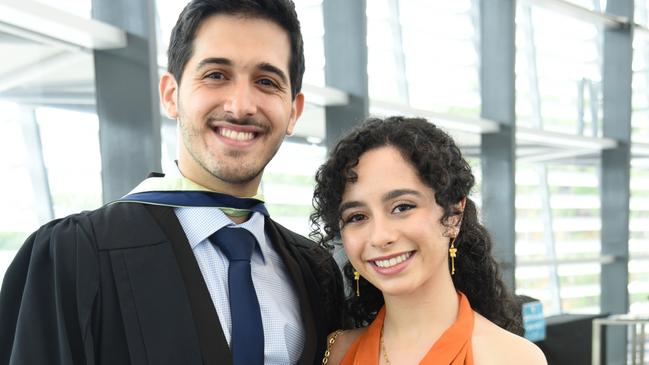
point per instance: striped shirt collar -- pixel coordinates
(200, 223)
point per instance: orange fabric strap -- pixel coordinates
(452, 348)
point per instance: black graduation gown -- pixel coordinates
(120, 285)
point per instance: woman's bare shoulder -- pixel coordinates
(342, 341)
(494, 345)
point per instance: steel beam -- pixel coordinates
(615, 173)
(497, 91)
(127, 100)
(346, 66)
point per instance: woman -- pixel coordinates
(420, 265)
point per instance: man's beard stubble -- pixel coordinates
(238, 174)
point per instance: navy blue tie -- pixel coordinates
(247, 342)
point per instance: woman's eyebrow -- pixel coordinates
(388, 196)
(350, 204)
(399, 192)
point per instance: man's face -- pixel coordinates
(234, 104)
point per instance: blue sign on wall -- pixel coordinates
(533, 321)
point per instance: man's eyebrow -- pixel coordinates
(213, 61)
(273, 69)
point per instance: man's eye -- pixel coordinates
(402, 208)
(267, 82)
(215, 76)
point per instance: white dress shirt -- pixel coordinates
(278, 301)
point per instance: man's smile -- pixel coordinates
(235, 135)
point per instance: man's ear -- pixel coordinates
(296, 111)
(169, 94)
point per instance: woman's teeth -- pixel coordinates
(393, 261)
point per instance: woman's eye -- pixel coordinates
(355, 218)
(402, 208)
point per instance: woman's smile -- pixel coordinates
(393, 264)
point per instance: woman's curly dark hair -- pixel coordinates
(440, 165)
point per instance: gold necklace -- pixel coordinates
(385, 352)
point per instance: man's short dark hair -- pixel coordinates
(281, 12)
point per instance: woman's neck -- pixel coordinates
(415, 321)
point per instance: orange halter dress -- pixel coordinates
(452, 348)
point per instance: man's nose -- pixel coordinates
(240, 103)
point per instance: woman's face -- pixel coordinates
(391, 225)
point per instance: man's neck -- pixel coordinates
(239, 219)
(207, 180)
(218, 186)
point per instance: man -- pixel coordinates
(152, 278)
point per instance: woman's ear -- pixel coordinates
(461, 204)
(455, 221)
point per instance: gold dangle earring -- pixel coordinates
(357, 279)
(452, 251)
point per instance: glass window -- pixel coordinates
(167, 12)
(639, 205)
(288, 184)
(640, 13)
(310, 14)
(558, 89)
(70, 142)
(19, 213)
(558, 235)
(639, 237)
(82, 8)
(595, 5)
(48, 138)
(424, 54)
(558, 72)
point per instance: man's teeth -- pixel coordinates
(393, 261)
(237, 136)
